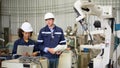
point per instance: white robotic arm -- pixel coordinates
(90, 8)
(105, 13)
(86, 7)
(78, 10)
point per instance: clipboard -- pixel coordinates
(22, 49)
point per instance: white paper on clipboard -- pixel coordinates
(60, 47)
(23, 49)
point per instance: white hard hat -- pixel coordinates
(26, 27)
(49, 15)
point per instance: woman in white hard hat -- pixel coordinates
(24, 33)
(49, 37)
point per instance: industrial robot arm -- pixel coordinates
(78, 10)
(86, 7)
(104, 13)
(82, 8)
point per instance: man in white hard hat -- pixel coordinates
(24, 33)
(49, 37)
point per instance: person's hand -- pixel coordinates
(51, 50)
(26, 54)
(58, 52)
(34, 53)
(68, 48)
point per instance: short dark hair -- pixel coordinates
(20, 33)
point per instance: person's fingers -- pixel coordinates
(34, 53)
(51, 50)
(58, 52)
(26, 54)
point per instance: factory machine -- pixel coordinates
(100, 40)
(104, 27)
(26, 62)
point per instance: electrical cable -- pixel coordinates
(26, 59)
(102, 52)
(86, 29)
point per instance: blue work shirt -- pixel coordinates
(22, 42)
(50, 39)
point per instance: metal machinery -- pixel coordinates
(106, 16)
(26, 62)
(4, 36)
(69, 57)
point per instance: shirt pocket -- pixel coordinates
(57, 37)
(46, 37)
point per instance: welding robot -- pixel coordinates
(106, 15)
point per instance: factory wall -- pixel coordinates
(33, 11)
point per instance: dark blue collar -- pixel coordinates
(22, 40)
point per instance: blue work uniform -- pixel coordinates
(23, 43)
(50, 39)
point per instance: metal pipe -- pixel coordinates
(1, 39)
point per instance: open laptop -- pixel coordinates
(23, 49)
